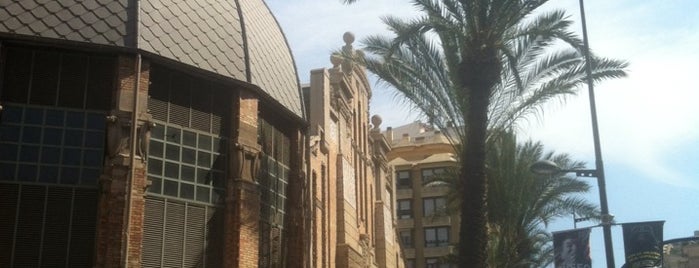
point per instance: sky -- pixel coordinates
(648, 121)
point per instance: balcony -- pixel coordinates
(437, 251)
(406, 223)
(437, 220)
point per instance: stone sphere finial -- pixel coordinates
(348, 37)
(376, 121)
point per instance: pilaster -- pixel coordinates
(123, 183)
(242, 205)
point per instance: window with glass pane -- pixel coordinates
(46, 135)
(433, 205)
(406, 238)
(187, 156)
(404, 181)
(410, 263)
(178, 167)
(437, 237)
(405, 209)
(429, 173)
(35, 146)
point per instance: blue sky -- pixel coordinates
(649, 121)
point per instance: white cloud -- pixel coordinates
(651, 116)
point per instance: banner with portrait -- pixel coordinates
(643, 244)
(572, 249)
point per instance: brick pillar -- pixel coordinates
(242, 208)
(117, 188)
(296, 238)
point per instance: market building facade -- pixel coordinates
(149, 134)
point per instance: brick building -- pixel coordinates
(351, 183)
(153, 133)
(427, 231)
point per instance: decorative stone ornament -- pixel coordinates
(349, 53)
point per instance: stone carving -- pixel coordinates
(348, 51)
(117, 134)
(367, 256)
(376, 121)
(144, 138)
(247, 158)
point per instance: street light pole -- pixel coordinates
(606, 218)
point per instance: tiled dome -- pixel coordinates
(237, 39)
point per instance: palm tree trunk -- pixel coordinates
(473, 233)
(480, 74)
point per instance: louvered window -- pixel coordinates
(52, 132)
(274, 180)
(187, 167)
(58, 78)
(181, 234)
(46, 226)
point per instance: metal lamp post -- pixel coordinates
(548, 167)
(599, 171)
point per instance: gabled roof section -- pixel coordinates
(238, 39)
(272, 66)
(203, 33)
(94, 21)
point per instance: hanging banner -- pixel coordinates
(643, 244)
(572, 249)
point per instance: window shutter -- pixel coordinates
(173, 247)
(84, 220)
(57, 229)
(28, 233)
(153, 232)
(54, 227)
(195, 236)
(8, 211)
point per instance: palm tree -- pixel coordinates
(480, 64)
(521, 204)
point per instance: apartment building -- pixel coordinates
(426, 229)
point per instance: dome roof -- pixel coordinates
(237, 39)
